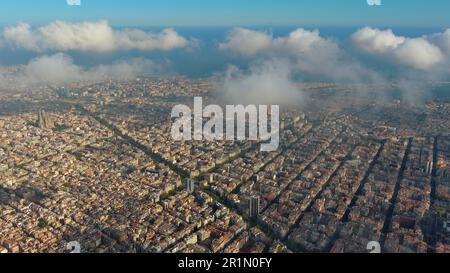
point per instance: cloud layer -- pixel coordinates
(268, 82)
(60, 69)
(314, 53)
(417, 61)
(423, 53)
(88, 37)
(308, 52)
(250, 42)
(275, 62)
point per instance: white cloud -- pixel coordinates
(60, 69)
(89, 36)
(247, 42)
(312, 54)
(138, 39)
(442, 40)
(418, 53)
(20, 36)
(268, 82)
(250, 42)
(57, 69)
(98, 36)
(377, 41)
(302, 41)
(309, 52)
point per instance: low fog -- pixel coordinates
(60, 69)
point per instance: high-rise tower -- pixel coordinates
(253, 206)
(44, 120)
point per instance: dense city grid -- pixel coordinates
(96, 164)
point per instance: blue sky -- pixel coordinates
(392, 13)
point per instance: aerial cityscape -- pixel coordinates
(87, 153)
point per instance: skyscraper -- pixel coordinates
(429, 168)
(44, 120)
(190, 185)
(253, 206)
